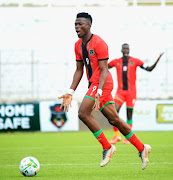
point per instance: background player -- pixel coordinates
(126, 92)
(92, 52)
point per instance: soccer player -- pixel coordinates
(92, 52)
(126, 92)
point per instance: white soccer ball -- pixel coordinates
(29, 166)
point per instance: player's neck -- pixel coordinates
(86, 38)
(125, 58)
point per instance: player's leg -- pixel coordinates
(116, 131)
(129, 122)
(86, 117)
(130, 102)
(110, 113)
(129, 117)
(119, 100)
(117, 137)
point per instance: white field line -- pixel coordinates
(118, 153)
(90, 164)
(79, 147)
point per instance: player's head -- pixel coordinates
(125, 49)
(83, 24)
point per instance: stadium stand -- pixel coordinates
(33, 70)
(58, 3)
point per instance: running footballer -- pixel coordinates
(92, 52)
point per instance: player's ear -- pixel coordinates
(89, 25)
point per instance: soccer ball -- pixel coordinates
(29, 166)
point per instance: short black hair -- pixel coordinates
(125, 44)
(84, 15)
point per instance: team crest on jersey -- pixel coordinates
(132, 63)
(58, 116)
(91, 52)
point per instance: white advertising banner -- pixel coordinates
(52, 118)
(151, 115)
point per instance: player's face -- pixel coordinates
(82, 27)
(125, 50)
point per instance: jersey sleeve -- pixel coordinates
(139, 62)
(112, 63)
(78, 55)
(102, 51)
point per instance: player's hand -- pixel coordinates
(67, 98)
(97, 104)
(161, 54)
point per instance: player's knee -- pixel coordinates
(81, 115)
(114, 121)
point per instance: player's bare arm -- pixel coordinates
(150, 68)
(103, 76)
(67, 98)
(77, 75)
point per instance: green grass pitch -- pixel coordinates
(77, 155)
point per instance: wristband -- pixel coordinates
(99, 91)
(70, 91)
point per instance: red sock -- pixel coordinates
(104, 142)
(137, 143)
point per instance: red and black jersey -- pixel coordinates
(91, 53)
(126, 72)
